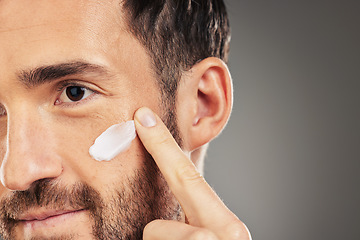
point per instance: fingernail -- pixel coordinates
(146, 117)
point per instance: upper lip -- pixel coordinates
(42, 214)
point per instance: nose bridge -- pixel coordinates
(25, 130)
(28, 155)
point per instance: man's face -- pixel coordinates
(68, 71)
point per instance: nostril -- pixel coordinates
(31, 151)
(18, 173)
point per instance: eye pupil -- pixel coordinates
(75, 93)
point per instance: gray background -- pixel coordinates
(288, 162)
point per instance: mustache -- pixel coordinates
(49, 194)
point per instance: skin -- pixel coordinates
(40, 117)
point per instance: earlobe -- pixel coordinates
(210, 103)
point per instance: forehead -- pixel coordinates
(40, 32)
(19, 14)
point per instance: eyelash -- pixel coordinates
(65, 84)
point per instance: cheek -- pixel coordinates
(75, 135)
(73, 148)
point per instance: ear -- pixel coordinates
(204, 102)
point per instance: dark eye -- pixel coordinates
(74, 94)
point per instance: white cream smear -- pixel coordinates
(112, 141)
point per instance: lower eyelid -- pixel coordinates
(74, 104)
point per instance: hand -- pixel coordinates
(207, 216)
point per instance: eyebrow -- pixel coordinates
(44, 74)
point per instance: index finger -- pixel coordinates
(200, 203)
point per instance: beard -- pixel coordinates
(134, 203)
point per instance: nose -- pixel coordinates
(28, 155)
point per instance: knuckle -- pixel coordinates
(202, 234)
(163, 138)
(187, 173)
(163, 141)
(237, 231)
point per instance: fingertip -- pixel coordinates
(153, 133)
(146, 117)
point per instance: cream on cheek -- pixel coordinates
(112, 141)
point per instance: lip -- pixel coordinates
(47, 218)
(44, 214)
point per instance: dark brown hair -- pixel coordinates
(177, 35)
